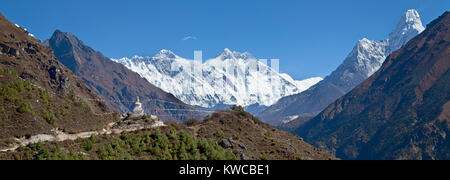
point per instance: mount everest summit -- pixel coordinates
(239, 78)
(228, 79)
(363, 61)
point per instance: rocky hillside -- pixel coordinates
(225, 135)
(401, 112)
(365, 59)
(249, 138)
(114, 83)
(38, 93)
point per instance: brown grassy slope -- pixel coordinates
(54, 96)
(197, 141)
(261, 141)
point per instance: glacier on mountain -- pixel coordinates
(228, 79)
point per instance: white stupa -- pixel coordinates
(138, 112)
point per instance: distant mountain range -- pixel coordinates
(401, 112)
(39, 94)
(389, 99)
(364, 60)
(43, 100)
(230, 78)
(115, 83)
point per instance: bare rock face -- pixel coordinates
(401, 112)
(225, 143)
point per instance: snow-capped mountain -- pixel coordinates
(228, 79)
(408, 27)
(364, 60)
(368, 55)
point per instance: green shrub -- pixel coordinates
(43, 152)
(11, 94)
(212, 151)
(30, 96)
(103, 154)
(161, 140)
(27, 84)
(171, 145)
(86, 107)
(8, 72)
(21, 85)
(267, 136)
(298, 157)
(219, 134)
(74, 156)
(87, 144)
(71, 98)
(237, 108)
(64, 112)
(44, 96)
(25, 108)
(171, 134)
(236, 137)
(48, 116)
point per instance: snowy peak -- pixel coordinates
(407, 27)
(364, 43)
(410, 22)
(166, 54)
(366, 57)
(369, 55)
(228, 54)
(230, 78)
(411, 16)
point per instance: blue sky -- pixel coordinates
(311, 38)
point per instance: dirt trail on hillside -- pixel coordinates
(59, 136)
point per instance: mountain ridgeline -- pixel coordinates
(401, 112)
(61, 99)
(116, 84)
(230, 78)
(41, 97)
(39, 94)
(364, 60)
